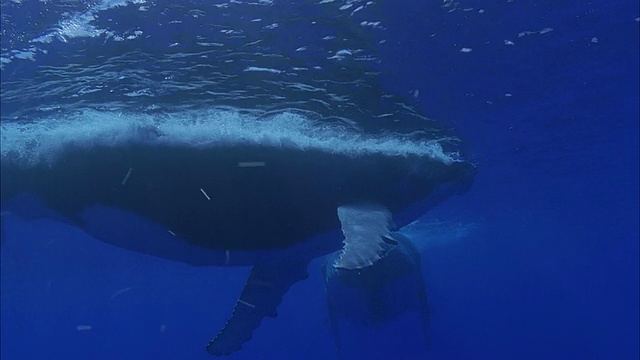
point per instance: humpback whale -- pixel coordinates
(263, 136)
(206, 206)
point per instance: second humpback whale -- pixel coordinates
(379, 311)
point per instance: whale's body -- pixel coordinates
(274, 207)
(244, 138)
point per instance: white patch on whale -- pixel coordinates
(32, 143)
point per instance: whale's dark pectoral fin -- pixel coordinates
(261, 296)
(367, 236)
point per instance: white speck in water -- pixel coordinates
(246, 303)
(126, 177)
(120, 292)
(594, 40)
(249, 164)
(205, 194)
(465, 50)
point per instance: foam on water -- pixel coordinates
(32, 143)
(70, 26)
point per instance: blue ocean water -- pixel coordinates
(539, 259)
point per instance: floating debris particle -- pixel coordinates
(120, 292)
(171, 232)
(205, 194)
(248, 164)
(246, 303)
(508, 42)
(465, 50)
(84, 327)
(594, 40)
(126, 177)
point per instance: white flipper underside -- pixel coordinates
(365, 228)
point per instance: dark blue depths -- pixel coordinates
(549, 270)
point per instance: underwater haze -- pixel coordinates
(502, 136)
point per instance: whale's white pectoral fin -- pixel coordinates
(367, 235)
